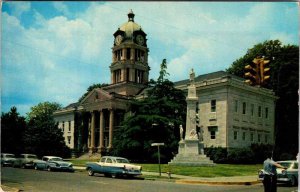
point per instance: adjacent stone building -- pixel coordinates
(232, 114)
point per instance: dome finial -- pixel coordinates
(130, 15)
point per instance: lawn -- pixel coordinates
(220, 170)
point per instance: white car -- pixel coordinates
(52, 163)
(114, 167)
(289, 175)
(7, 159)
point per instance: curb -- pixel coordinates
(218, 182)
(9, 189)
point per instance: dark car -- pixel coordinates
(289, 175)
(53, 163)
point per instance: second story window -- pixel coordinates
(244, 136)
(252, 109)
(259, 111)
(63, 126)
(213, 105)
(244, 107)
(69, 126)
(266, 113)
(236, 106)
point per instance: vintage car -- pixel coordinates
(25, 161)
(7, 159)
(114, 167)
(52, 163)
(289, 175)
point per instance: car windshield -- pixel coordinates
(10, 156)
(56, 159)
(122, 160)
(32, 156)
(285, 164)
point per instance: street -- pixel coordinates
(32, 180)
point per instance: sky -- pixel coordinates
(53, 51)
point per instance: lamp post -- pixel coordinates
(158, 144)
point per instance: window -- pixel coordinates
(103, 160)
(63, 126)
(259, 111)
(266, 112)
(212, 130)
(252, 109)
(252, 137)
(128, 53)
(69, 139)
(69, 126)
(235, 135)
(108, 160)
(213, 105)
(266, 138)
(213, 134)
(244, 107)
(236, 107)
(258, 138)
(244, 136)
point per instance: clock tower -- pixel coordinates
(129, 67)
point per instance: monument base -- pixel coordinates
(191, 153)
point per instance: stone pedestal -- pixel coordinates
(191, 153)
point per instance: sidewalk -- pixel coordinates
(236, 180)
(8, 189)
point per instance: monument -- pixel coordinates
(191, 147)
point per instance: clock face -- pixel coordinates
(140, 39)
(118, 39)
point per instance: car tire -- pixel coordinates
(90, 172)
(35, 167)
(114, 175)
(293, 181)
(23, 166)
(49, 168)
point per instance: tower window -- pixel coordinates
(117, 74)
(128, 53)
(259, 111)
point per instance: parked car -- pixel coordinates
(289, 175)
(7, 159)
(25, 160)
(52, 163)
(114, 167)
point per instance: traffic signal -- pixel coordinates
(250, 75)
(264, 71)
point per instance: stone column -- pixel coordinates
(111, 126)
(92, 132)
(101, 132)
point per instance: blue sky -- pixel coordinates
(52, 51)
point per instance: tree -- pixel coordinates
(284, 81)
(42, 136)
(91, 88)
(155, 119)
(12, 129)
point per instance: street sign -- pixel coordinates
(157, 144)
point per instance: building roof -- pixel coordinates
(209, 76)
(130, 26)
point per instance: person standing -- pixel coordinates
(270, 178)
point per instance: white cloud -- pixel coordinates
(18, 8)
(62, 8)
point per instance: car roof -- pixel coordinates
(287, 161)
(28, 154)
(51, 157)
(113, 157)
(7, 154)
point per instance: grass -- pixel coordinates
(220, 170)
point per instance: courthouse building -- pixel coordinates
(232, 114)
